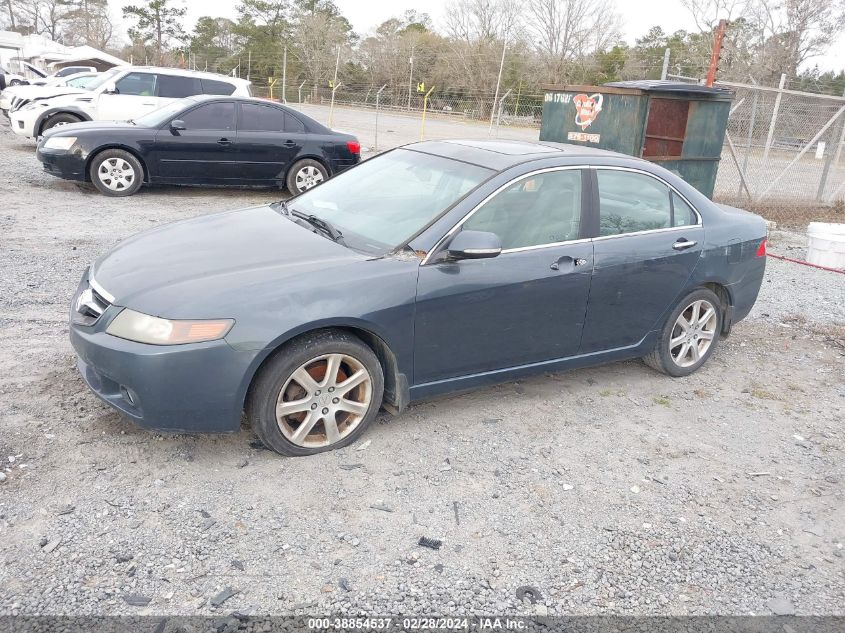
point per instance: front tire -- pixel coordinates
(304, 175)
(318, 393)
(690, 335)
(57, 120)
(115, 172)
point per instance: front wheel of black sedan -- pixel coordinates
(318, 393)
(690, 335)
(115, 172)
(305, 174)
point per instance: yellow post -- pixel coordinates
(271, 81)
(425, 108)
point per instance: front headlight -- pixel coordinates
(59, 142)
(33, 104)
(143, 328)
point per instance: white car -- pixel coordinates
(14, 97)
(121, 94)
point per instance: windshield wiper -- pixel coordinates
(326, 227)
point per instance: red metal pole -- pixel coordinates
(717, 52)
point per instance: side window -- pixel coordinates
(293, 125)
(138, 84)
(211, 87)
(683, 213)
(259, 118)
(175, 87)
(211, 116)
(631, 202)
(540, 209)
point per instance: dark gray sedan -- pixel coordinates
(436, 267)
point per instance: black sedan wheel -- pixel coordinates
(689, 336)
(115, 172)
(318, 393)
(305, 174)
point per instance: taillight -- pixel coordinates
(761, 250)
(354, 147)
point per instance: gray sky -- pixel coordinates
(637, 16)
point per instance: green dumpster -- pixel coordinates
(680, 126)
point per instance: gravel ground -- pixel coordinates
(609, 490)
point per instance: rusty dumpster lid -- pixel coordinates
(656, 85)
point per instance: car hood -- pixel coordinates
(71, 129)
(186, 269)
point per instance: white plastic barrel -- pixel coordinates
(826, 244)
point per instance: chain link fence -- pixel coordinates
(783, 151)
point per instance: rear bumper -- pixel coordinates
(192, 388)
(744, 292)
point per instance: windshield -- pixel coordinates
(104, 78)
(384, 201)
(157, 117)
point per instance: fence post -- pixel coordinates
(378, 97)
(665, 70)
(410, 76)
(271, 81)
(774, 121)
(331, 108)
(285, 75)
(425, 108)
(831, 135)
(841, 141)
(300, 90)
(750, 135)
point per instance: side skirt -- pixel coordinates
(473, 381)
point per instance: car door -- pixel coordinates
(269, 139)
(649, 241)
(524, 306)
(134, 95)
(202, 153)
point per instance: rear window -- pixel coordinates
(212, 87)
(177, 87)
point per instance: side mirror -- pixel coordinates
(111, 89)
(177, 124)
(474, 245)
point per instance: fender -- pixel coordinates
(74, 110)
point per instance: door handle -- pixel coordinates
(682, 244)
(289, 143)
(148, 104)
(224, 141)
(566, 259)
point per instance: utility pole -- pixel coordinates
(498, 83)
(410, 77)
(284, 74)
(717, 52)
(665, 71)
(248, 63)
(336, 65)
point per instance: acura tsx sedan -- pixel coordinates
(432, 268)
(200, 140)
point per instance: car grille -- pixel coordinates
(89, 304)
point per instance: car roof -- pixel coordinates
(184, 72)
(501, 154)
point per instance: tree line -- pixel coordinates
(541, 42)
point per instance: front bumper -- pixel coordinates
(194, 388)
(23, 122)
(68, 165)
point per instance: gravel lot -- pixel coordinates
(609, 490)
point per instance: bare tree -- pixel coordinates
(569, 30)
(473, 20)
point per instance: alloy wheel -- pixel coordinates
(307, 177)
(116, 174)
(693, 333)
(324, 400)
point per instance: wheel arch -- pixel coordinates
(42, 118)
(121, 147)
(726, 299)
(396, 387)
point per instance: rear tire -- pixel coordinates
(304, 175)
(115, 172)
(57, 120)
(689, 336)
(301, 402)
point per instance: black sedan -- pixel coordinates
(202, 140)
(433, 268)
